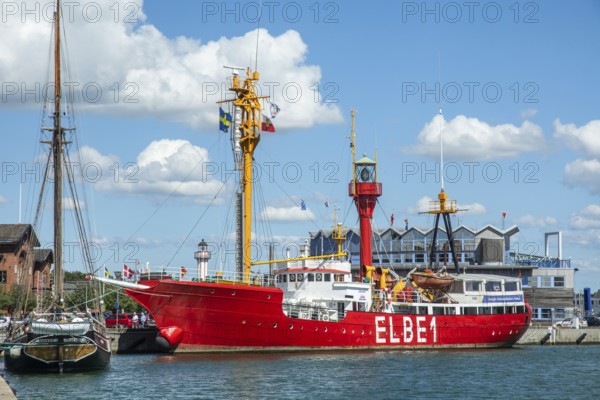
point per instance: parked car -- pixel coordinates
(125, 320)
(570, 323)
(592, 321)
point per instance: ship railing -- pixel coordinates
(191, 274)
(308, 311)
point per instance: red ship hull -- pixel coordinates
(204, 317)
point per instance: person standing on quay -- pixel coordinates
(143, 320)
(135, 320)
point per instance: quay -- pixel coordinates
(6, 392)
(547, 335)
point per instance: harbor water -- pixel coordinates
(535, 372)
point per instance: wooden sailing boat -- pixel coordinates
(56, 339)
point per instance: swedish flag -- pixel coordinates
(106, 272)
(224, 120)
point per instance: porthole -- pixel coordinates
(291, 326)
(344, 330)
(243, 322)
(325, 329)
(319, 277)
(233, 293)
(212, 291)
(275, 325)
(362, 332)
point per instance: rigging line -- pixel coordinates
(197, 222)
(80, 224)
(171, 194)
(289, 196)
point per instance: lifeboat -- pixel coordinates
(430, 280)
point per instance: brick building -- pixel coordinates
(21, 261)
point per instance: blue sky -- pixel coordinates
(517, 83)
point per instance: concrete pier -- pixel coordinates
(6, 392)
(537, 334)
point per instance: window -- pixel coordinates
(545, 281)
(311, 277)
(284, 278)
(3, 276)
(493, 286)
(559, 281)
(511, 286)
(327, 277)
(470, 311)
(292, 277)
(473, 286)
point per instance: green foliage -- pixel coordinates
(10, 299)
(125, 302)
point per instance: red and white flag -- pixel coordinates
(266, 124)
(127, 272)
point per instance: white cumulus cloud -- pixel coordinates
(583, 173)
(472, 139)
(165, 166)
(531, 221)
(132, 68)
(585, 138)
(287, 214)
(587, 218)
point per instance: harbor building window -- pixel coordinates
(545, 281)
(559, 281)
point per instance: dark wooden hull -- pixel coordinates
(33, 353)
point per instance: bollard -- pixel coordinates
(545, 338)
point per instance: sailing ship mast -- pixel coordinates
(57, 149)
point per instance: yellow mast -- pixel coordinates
(353, 147)
(250, 127)
(338, 234)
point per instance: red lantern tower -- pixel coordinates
(365, 190)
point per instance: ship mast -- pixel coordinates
(57, 149)
(248, 103)
(443, 207)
